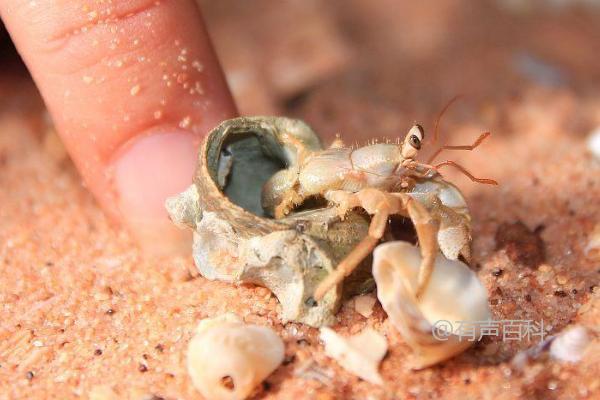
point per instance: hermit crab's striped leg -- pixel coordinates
(352, 260)
(427, 230)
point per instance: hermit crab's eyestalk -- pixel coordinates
(412, 141)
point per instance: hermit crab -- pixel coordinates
(383, 179)
(270, 206)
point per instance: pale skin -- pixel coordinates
(371, 177)
(133, 135)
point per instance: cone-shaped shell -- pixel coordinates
(227, 359)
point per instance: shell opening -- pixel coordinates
(245, 164)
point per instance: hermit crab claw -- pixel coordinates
(446, 319)
(446, 204)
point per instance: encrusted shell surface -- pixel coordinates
(454, 294)
(235, 242)
(224, 348)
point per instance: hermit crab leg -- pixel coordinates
(352, 260)
(291, 198)
(427, 229)
(385, 204)
(302, 151)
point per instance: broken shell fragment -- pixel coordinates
(454, 296)
(571, 344)
(227, 359)
(360, 354)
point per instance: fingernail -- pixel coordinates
(146, 172)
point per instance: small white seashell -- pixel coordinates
(359, 354)
(593, 143)
(224, 348)
(454, 293)
(570, 345)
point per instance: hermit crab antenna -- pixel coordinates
(469, 147)
(439, 117)
(467, 173)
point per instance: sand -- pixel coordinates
(84, 315)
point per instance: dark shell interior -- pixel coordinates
(246, 163)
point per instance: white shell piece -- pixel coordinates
(570, 345)
(454, 293)
(593, 143)
(224, 347)
(360, 354)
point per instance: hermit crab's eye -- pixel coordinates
(421, 131)
(415, 136)
(415, 141)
